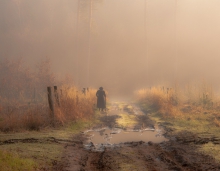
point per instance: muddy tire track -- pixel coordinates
(180, 153)
(35, 140)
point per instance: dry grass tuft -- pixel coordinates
(158, 100)
(176, 102)
(29, 118)
(217, 122)
(74, 105)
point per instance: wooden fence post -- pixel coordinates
(84, 91)
(56, 96)
(50, 101)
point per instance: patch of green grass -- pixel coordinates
(211, 149)
(195, 126)
(80, 125)
(12, 162)
(126, 120)
(127, 167)
(43, 154)
(156, 117)
(195, 123)
(200, 124)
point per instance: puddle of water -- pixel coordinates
(98, 139)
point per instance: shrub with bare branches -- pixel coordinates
(23, 97)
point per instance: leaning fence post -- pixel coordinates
(56, 96)
(50, 101)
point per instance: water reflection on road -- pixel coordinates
(112, 137)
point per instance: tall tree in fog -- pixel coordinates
(89, 50)
(145, 37)
(18, 81)
(175, 43)
(77, 43)
(84, 18)
(18, 3)
(44, 75)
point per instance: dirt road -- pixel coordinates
(178, 153)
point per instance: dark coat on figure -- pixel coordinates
(101, 99)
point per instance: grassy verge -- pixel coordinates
(201, 125)
(11, 161)
(197, 113)
(211, 149)
(198, 124)
(40, 155)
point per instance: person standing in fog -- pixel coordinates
(101, 99)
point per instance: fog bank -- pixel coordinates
(121, 45)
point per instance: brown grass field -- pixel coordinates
(193, 109)
(23, 97)
(74, 105)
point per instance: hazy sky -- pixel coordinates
(176, 41)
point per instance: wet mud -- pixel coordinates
(177, 153)
(35, 140)
(99, 139)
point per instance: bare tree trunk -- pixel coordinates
(175, 43)
(77, 44)
(145, 38)
(50, 101)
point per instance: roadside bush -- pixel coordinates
(156, 99)
(23, 117)
(23, 97)
(174, 102)
(73, 105)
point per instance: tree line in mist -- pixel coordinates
(21, 82)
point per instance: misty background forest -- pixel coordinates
(157, 60)
(122, 45)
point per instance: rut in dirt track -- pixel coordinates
(172, 155)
